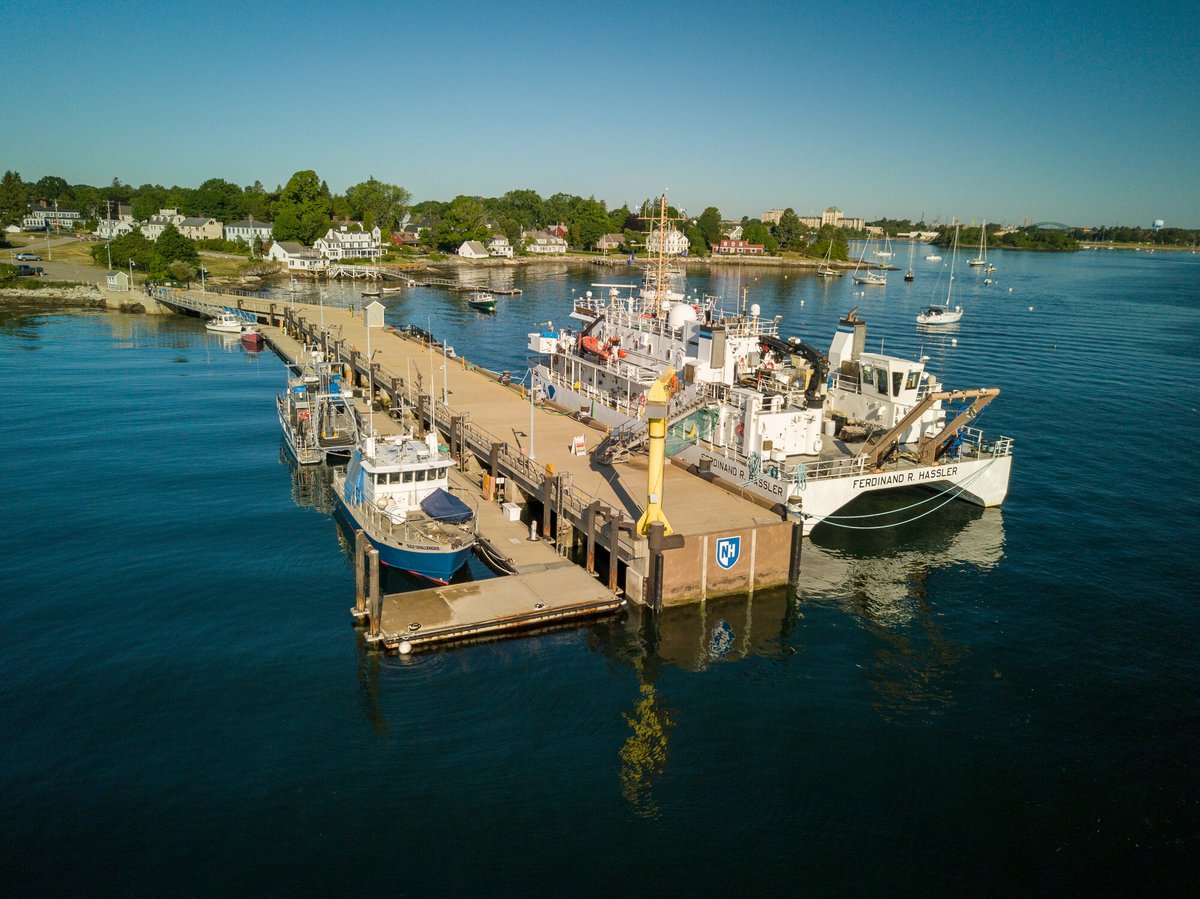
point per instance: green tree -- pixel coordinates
(53, 187)
(559, 208)
(147, 200)
(789, 232)
(182, 271)
(757, 232)
(256, 201)
(617, 219)
(709, 224)
(302, 210)
(172, 246)
(463, 220)
(826, 237)
(525, 207)
(697, 244)
(219, 199)
(134, 246)
(384, 203)
(589, 222)
(13, 199)
(256, 246)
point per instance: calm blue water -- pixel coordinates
(985, 702)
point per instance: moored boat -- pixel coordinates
(936, 314)
(483, 301)
(253, 340)
(397, 491)
(225, 323)
(295, 407)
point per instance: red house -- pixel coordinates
(729, 247)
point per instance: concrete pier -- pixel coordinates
(723, 543)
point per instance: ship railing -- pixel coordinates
(620, 403)
(981, 445)
(421, 533)
(839, 381)
(824, 469)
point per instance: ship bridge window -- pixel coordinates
(408, 476)
(897, 381)
(914, 379)
(881, 380)
(868, 374)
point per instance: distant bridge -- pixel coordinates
(1051, 226)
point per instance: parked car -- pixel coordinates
(28, 257)
(30, 271)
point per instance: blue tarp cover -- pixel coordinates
(444, 507)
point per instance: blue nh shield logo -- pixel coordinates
(728, 551)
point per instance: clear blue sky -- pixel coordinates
(1084, 113)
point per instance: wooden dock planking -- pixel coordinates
(499, 605)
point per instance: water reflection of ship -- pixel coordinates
(874, 573)
(885, 588)
(312, 485)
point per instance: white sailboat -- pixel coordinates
(826, 269)
(868, 276)
(981, 259)
(944, 313)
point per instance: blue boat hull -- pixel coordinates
(438, 567)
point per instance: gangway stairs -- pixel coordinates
(622, 442)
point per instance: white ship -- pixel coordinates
(805, 432)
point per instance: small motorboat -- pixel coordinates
(933, 257)
(253, 340)
(371, 292)
(482, 301)
(939, 315)
(226, 323)
(909, 276)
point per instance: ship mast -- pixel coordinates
(660, 262)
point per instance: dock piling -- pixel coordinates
(614, 537)
(360, 573)
(589, 526)
(376, 626)
(794, 554)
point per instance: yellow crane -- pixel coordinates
(658, 399)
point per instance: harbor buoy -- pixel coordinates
(1030, 308)
(953, 341)
(802, 302)
(405, 647)
(1010, 290)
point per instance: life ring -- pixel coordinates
(302, 415)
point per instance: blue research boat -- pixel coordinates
(396, 490)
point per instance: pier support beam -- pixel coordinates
(589, 526)
(794, 554)
(493, 470)
(375, 630)
(614, 536)
(360, 573)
